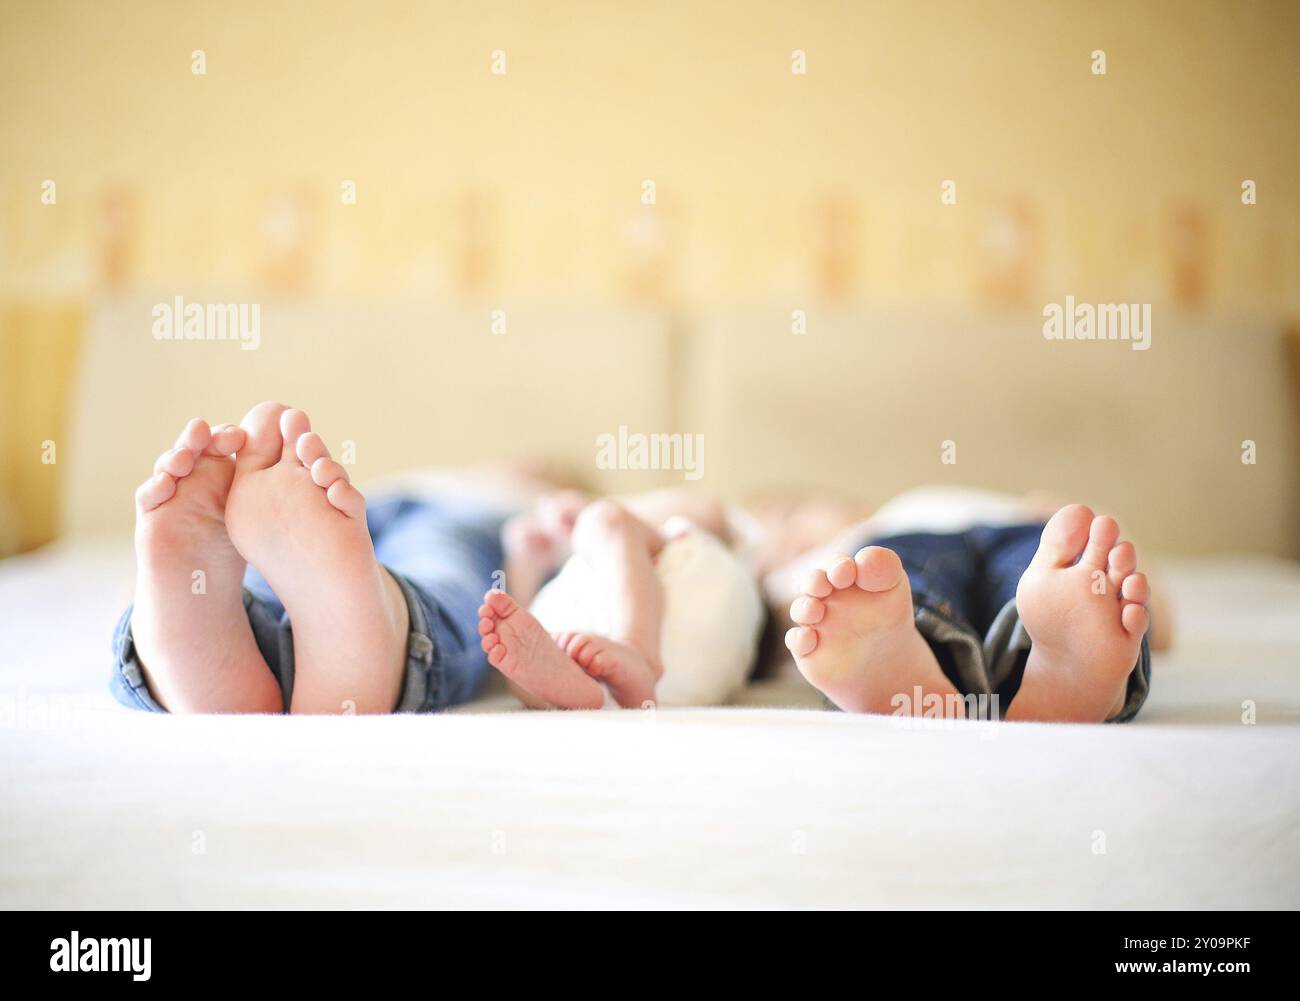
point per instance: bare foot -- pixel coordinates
(518, 647)
(1084, 607)
(295, 516)
(628, 674)
(856, 640)
(190, 629)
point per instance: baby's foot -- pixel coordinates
(1084, 607)
(295, 516)
(518, 647)
(190, 629)
(856, 640)
(628, 675)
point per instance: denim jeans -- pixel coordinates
(443, 555)
(964, 592)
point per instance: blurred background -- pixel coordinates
(820, 235)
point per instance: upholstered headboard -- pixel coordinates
(864, 402)
(411, 385)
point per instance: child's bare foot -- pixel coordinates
(518, 647)
(855, 639)
(295, 516)
(628, 675)
(190, 629)
(1084, 607)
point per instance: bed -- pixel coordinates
(775, 802)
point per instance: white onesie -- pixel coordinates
(713, 614)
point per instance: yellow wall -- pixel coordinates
(530, 182)
(473, 186)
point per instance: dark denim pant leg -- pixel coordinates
(943, 572)
(1004, 553)
(444, 556)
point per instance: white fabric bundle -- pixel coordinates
(713, 615)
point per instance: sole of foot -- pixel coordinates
(293, 513)
(626, 672)
(190, 629)
(1083, 604)
(520, 648)
(855, 639)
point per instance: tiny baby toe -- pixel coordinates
(499, 603)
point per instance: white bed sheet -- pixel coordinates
(768, 804)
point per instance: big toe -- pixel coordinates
(1064, 536)
(879, 569)
(499, 602)
(263, 443)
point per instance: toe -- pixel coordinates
(310, 448)
(196, 436)
(807, 610)
(1120, 562)
(497, 655)
(816, 584)
(1136, 589)
(154, 491)
(325, 472)
(347, 498)
(484, 626)
(227, 439)
(580, 649)
(878, 568)
(293, 425)
(1135, 619)
(178, 462)
(1064, 536)
(801, 641)
(842, 572)
(499, 603)
(1102, 537)
(263, 445)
